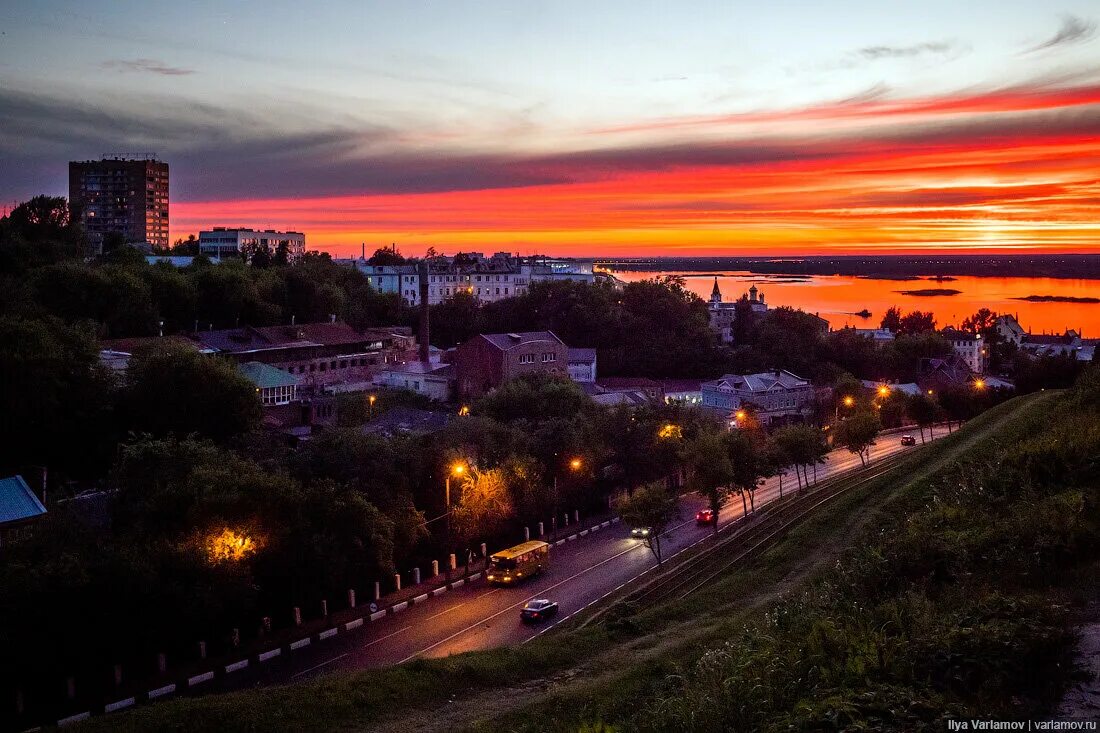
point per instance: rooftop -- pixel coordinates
(265, 376)
(335, 333)
(505, 341)
(762, 381)
(17, 502)
(401, 419)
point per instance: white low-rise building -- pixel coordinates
(969, 346)
(434, 381)
(229, 242)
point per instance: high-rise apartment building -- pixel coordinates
(124, 195)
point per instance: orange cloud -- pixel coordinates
(1010, 170)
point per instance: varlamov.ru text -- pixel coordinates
(1028, 725)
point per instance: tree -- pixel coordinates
(485, 504)
(653, 506)
(803, 446)
(386, 256)
(186, 247)
(55, 398)
(173, 389)
(256, 254)
(39, 232)
(710, 471)
(891, 319)
(749, 459)
(922, 410)
(857, 433)
(281, 258)
(917, 322)
(982, 322)
(535, 397)
(791, 339)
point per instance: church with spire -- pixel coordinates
(723, 315)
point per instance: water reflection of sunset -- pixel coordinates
(837, 297)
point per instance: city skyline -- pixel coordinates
(574, 130)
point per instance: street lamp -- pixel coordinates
(456, 470)
(848, 401)
(575, 465)
(979, 384)
(370, 402)
(884, 391)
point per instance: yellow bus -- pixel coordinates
(516, 563)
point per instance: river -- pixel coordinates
(837, 297)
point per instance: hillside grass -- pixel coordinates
(664, 665)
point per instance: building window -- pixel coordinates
(527, 359)
(549, 356)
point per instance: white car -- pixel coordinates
(640, 533)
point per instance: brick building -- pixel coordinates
(488, 360)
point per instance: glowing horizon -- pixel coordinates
(991, 172)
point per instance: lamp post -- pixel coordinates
(574, 465)
(456, 470)
(370, 402)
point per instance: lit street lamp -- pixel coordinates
(575, 465)
(457, 470)
(370, 402)
(848, 402)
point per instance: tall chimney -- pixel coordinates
(422, 272)
(363, 251)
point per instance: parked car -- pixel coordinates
(640, 532)
(538, 609)
(704, 516)
(908, 440)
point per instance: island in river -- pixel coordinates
(1058, 299)
(929, 292)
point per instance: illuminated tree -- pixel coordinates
(485, 504)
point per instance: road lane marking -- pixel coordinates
(465, 603)
(341, 656)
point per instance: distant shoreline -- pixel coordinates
(1056, 299)
(900, 267)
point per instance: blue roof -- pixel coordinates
(17, 501)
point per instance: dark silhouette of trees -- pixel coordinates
(173, 389)
(891, 319)
(917, 322)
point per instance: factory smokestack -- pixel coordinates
(422, 272)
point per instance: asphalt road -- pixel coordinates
(478, 616)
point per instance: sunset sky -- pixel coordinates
(609, 128)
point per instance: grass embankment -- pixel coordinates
(939, 589)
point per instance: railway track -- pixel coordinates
(747, 539)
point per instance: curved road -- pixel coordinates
(478, 616)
